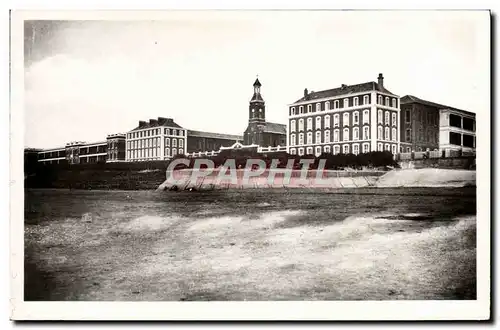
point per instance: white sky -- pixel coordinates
(87, 79)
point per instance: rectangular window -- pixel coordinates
(346, 149)
(309, 123)
(181, 143)
(394, 103)
(366, 133)
(309, 138)
(356, 101)
(318, 137)
(366, 116)
(301, 125)
(301, 151)
(327, 121)
(468, 140)
(355, 149)
(318, 107)
(309, 150)
(468, 124)
(318, 151)
(355, 118)
(301, 109)
(387, 137)
(346, 103)
(318, 122)
(345, 135)
(366, 99)
(336, 135)
(345, 121)
(387, 122)
(336, 120)
(309, 108)
(336, 150)
(380, 119)
(394, 119)
(408, 135)
(455, 138)
(327, 137)
(407, 116)
(292, 126)
(336, 104)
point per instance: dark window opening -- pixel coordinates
(468, 124)
(455, 138)
(455, 121)
(468, 141)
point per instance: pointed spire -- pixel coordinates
(257, 82)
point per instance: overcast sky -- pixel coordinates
(87, 79)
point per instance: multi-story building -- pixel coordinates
(77, 152)
(259, 132)
(457, 129)
(86, 153)
(427, 125)
(157, 139)
(116, 147)
(53, 156)
(198, 141)
(348, 119)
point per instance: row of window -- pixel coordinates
(153, 152)
(346, 148)
(345, 102)
(345, 135)
(345, 120)
(156, 131)
(153, 142)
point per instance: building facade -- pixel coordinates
(116, 148)
(348, 119)
(157, 139)
(427, 125)
(457, 129)
(259, 132)
(198, 141)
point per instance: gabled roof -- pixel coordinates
(257, 82)
(214, 135)
(274, 128)
(413, 99)
(343, 90)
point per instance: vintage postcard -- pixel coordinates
(250, 165)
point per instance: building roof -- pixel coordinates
(413, 99)
(214, 135)
(256, 97)
(343, 90)
(257, 82)
(274, 128)
(160, 122)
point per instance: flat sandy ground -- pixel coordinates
(417, 243)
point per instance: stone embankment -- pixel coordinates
(196, 180)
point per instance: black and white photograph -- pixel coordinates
(252, 161)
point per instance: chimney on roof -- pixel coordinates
(152, 121)
(305, 92)
(343, 86)
(142, 123)
(380, 80)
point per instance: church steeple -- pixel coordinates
(257, 106)
(256, 91)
